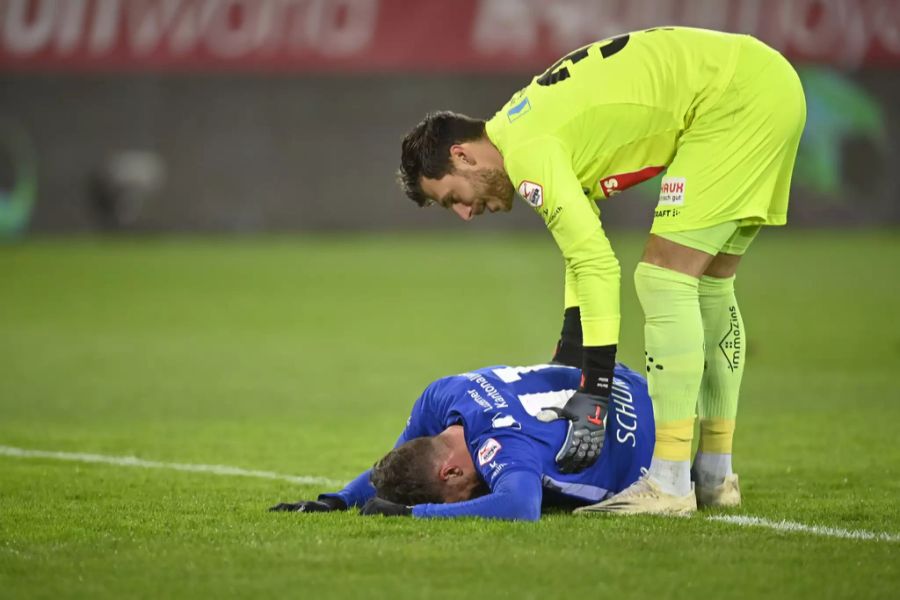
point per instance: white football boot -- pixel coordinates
(725, 495)
(644, 497)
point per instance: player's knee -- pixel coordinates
(716, 286)
(652, 281)
(723, 266)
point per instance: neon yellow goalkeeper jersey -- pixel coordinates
(600, 120)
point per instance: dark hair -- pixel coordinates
(426, 149)
(406, 474)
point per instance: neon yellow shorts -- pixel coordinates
(734, 161)
(729, 238)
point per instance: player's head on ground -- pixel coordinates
(448, 160)
(427, 470)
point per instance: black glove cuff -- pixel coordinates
(333, 502)
(597, 369)
(571, 329)
(567, 354)
(568, 349)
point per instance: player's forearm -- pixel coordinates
(516, 499)
(597, 279)
(357, 492)
(569, 349)
(596, 274)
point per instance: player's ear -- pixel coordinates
(462, 156)
(449, 471)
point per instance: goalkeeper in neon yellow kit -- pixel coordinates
(722, 114)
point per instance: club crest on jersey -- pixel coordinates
(488, 451)
(532, 193)
(671, 191)
(522, 107)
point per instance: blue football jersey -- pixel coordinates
(497, 407)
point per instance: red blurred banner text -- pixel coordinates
(408, 35)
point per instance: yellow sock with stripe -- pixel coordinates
(673, 439)
(725, 352)
(673, 338)
(671, 466)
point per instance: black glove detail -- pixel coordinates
(584, 438)
(598, 370)
(380, 506)
(323, 504)
(569, 350)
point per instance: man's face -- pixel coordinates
(472, 188)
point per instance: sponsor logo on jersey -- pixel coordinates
(532, 193)
(522, 107)
(610, 186)
(488, 451)
(496, 468)
(501, 421)
(666, 212)
(489, 389)
(622, 181)
(671, 192)
(548, 216)
(479, 400)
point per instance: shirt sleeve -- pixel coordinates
(570, 298)
(510, 465)
(542, 173)
(516, 497)
(357, 491)
(425, 418)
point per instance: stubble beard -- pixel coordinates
(493, 184)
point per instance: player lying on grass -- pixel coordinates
(473, 446)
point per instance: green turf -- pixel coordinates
(302, 355)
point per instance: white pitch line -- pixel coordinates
(132, 461)
(791, 526)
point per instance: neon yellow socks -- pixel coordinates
(673, 438)
(726, 348)
(694, 337)
(671, 465)
(716, 435)
(673, 338)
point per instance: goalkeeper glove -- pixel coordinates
(569, 348)
(584, 438)
(586, 411)
(323, 504)
(380, 506)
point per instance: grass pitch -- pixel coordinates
(303, 355)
